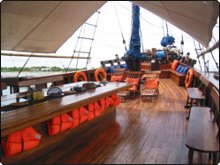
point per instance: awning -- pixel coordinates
(43, 26)
(197, 18)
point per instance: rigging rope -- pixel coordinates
(24, 66)
(182, 44)
(167, 28)
(74, 50)
(197, 54)
(214, 60)
(142, 39)
(124, 42)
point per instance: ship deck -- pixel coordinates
(143, 132)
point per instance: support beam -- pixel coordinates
(216, 45)
(41, 55)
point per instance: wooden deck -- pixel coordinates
(143, 132)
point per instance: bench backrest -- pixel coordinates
(204, 83)
(133, 74)
(119, 71)
(41, 81)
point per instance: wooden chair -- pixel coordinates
(150, 88)
(196, 95)
(134, 78)
(119, 75)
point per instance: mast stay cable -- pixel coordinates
(124, 42)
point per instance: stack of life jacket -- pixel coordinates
(24, 139)
(59, 123)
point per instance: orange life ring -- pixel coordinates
(80, 76)
(100, 73)
(189, 77)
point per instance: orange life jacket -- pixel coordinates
(107, 102)
(30, 137)
(25, 139)
(116, 100)
(115, 78)
(102, 103)
(66, 122)
(83, 114)
(98, 109)
(54, 125)
(76, 117)
(91, 111)
(59, 123)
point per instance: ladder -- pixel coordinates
(79, 49)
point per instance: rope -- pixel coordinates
(167, 28)
(163, 27)
(124, 42)
(214, 60)
(88, 60)
(74, 49)
(197, 54)
(24, 65)
(141, 39)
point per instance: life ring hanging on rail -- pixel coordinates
(189, 77)
(100, 74)
(80, 76)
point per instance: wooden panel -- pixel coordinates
(202, 131)
(165, 74)
(40, 80)
(165, 66)
(145, 65)
(31, 115)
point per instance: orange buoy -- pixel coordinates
(80, 76)
(100, 74)
(189, 77)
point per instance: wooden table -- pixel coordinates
(37, 113)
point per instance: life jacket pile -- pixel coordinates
(77, 116)
(59, 123)
(24, 139)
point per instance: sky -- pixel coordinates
(108, 40)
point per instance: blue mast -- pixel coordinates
(133, 55)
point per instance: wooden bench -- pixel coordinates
(41, 82)
(203, 130)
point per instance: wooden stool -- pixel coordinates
(196, 94)
(148, 94)
(123, 95)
